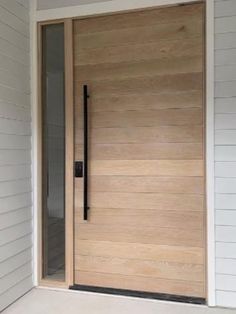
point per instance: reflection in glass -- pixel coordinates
(53, 116)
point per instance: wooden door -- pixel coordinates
(146, 225)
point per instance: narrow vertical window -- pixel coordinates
(53, 151)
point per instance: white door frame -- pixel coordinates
(113, 6)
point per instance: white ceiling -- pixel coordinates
(52, 4)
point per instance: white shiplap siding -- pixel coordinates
(15, 152)
(225, 151)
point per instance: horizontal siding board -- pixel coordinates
(226, 185)
(15, 232)
(226, 250)
(225, 169)
(15, 142)
(225, 105)
(14, 96)
(15, 292)
(225, 153)
(17, 9)
(226, 298)
(15, 262)
(14, 217)
(15, 202)
(14, 67)
(9, 80)
(15, 247)
(225, 8)
(24, 3)
(225, 89)
(15, 187)
(225, 137)
(225, 41)
(14, 22)
(14, 277)
(225, 57)
(225, 121)
(225, 201)
(225, 73)
(226, 282)
(15, 157)
(13, 52)
(225, 24)
(16, 172)
(226, 217)
(226, 234)
(11, 35)
(226, 266)
(8, 126)
(14, 112)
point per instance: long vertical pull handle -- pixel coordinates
(85, 96)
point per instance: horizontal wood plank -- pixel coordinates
(184, 202)
(143, 118)
(139, 251)
(135, 267)
(138, 19)
(140, 184)
(136, 234)
(188, 168)
(142, 86)
(150, 33)
(150, 151)
(186, 64)
(134, 283)
(162, 134)
(144, 218)
(163, 49)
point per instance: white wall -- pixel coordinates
(15, 152)
(225, 151)
(52, 4)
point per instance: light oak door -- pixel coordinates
(146, 179)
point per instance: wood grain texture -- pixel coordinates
(127, 36)
(146, 225)
(141, 184)
(147, 268)
(178, 202)
(161, 50)
(145, 217)
(191, 64)
(188, 168)
(143, 151)
(136, 234)
(187, 288)
(139, 19)
(159, 253)
(161, 134)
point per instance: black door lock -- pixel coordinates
(79, 169)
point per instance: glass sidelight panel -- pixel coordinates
(53, 150)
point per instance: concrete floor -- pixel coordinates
(43, 301)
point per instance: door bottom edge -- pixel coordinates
(140, 294)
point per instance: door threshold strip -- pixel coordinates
(141, 294)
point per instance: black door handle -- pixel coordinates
(85, 97)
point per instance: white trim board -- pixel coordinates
(113, 6)
(210, 151)
(119, 6)
(34, 112)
